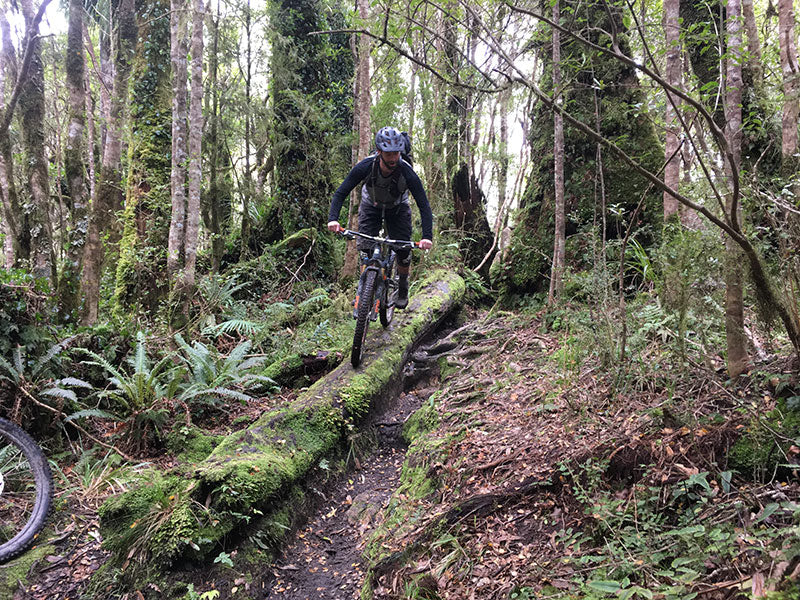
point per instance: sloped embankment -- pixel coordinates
(254, 474)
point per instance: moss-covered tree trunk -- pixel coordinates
(312, 103)
(143, 248)
(621, 114)
(74, 164)
(32, 114)
(258, 470)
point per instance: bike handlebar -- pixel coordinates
(350, 235)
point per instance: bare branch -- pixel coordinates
(22, 77)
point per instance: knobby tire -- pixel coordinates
(362, 319)
(26, 486)
(389, 288)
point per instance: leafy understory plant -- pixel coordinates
(33, 378)
(135, 394)
(212, 375)
(94, 477)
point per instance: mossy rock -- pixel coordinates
(252, 472)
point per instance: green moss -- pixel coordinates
(191, 444)
(154, 521)
(761, 450)
(424, 420)
(16, 572)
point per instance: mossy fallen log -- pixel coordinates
(250, 472)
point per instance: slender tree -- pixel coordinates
(178, 20)
(109, 188)
(559, 236)
(673, 77)
(15, 219)
(195, 147)
(361, 127)
(75, 168)
(790, 67)
(738, 360)
(32, 117)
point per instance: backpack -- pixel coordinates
(406, 152)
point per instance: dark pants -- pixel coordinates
(398, 225)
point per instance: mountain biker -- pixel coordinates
(387, 178)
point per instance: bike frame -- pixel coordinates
(382, 256)
(376, 285)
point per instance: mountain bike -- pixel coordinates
(377, 287)
(26, 490)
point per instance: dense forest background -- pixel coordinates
(627, 171)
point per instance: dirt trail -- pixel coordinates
(324, 559)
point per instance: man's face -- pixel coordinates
(390, 159)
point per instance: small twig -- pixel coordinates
(75, 425)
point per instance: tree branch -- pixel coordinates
(23, 71)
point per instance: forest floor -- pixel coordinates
(532, 473)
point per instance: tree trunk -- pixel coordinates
(74, 165)
(753, 43)
(215, 224)
(738, 360)
(140, 283)
(791, 88)
(32, 113)
(109, 187)
(559, 238)
(245, 188)
(178, 21)
(363, 130)
(673, 77)
(195, 148)
(15, 219)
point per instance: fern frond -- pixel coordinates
(232, 362)
(17, 354)
(60, 393)
(53, 351)
(75, 382)
(253, 361)
(92, 412)
(241, 327)
(13, 374)
(141, 364)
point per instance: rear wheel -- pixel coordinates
(389, 295)
(363, 309)
(26, 490)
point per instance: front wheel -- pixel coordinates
(389, 295)
(26, 490)
(363, 312)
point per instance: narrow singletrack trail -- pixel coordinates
(324, 560)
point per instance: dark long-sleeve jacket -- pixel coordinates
(362, 171)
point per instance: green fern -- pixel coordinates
(212, 375)
(31, 377)
(241, 327)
